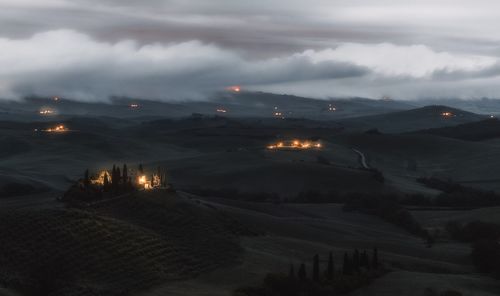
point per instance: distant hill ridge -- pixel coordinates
(474, 131)
(434, 116)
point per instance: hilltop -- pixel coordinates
(244, 104)
(414, 119)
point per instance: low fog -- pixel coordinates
(179, 50)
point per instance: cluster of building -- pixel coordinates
(46, 111)
(295, 145)
(137, 179)
(447, 114)
(61, 128)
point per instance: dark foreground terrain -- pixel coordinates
(388, 175)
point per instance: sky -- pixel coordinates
(190, 49)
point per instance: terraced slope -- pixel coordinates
(204, 233)
(77, 252)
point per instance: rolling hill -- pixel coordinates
(474, 131)
(415, 119)
(113, 248)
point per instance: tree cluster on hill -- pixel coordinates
(485, 243)
(358, 269)
(118, 182)
(457, 195)
(387, 207)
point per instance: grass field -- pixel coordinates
(144, 241)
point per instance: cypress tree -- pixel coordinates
(316, 268)
(291, 273)
(375, 262)
(355, 260)
(347, 267)
(113, 176)
(302, 272)
(129, 184)
(141, 170)
(364, 261)
(331, 269)
(125, 174)
(86, 179)
(118, 176)
(105, 183)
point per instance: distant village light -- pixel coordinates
(447, 114)
(46, 111)
(57, 129)
(234, 88)
(221, 110)
(295, 145)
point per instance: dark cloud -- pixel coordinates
(185, 48)
(72, 64)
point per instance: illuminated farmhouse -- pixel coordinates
(132, 179)
(295, 145)
(447, 114)
(56, 129)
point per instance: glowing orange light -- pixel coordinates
(57, 129)
(234, 88)
(447, 114)
(142, 180)
(295, 145)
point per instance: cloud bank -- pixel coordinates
(75, 65)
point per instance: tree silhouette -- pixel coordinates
(105, 184)
(86, 179)
(331, 269)
(113, 176)
(291, 273)
(375, 262)
(347, 266)
(302, 272)
(118, 177)
(364, 261)
(141, 169)
(125, 174)
(316, 268)
(355, 260)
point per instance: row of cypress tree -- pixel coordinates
(351, 265)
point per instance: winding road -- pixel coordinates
(362, 158)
